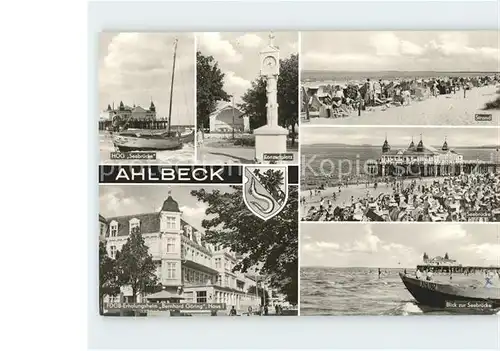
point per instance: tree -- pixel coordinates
(263, 294)
(108, 282)
(425, 256)
(273, 244)
(255, 98)
(446, 257)
(135, 265)
(209, 88)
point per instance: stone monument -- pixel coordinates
(270, 138)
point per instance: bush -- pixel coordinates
(244, 142)
(493, 105)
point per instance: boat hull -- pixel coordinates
(146, 143)
(437, 295)
(188, 137)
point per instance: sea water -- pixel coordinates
(359, 291)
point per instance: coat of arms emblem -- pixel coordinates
(265, 189)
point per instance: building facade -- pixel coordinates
(125, 112)
(188, 268)
(227, 117)
(424, 160)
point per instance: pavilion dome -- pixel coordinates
(386, 147)
(420, 146)
(411, 146)
(170, 205)
(445, 146)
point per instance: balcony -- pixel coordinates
(189, 263)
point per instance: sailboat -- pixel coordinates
(132, 140)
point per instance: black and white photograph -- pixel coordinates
(400, 174)
(247, 97)
(400, 78)
(182, 250)
(399, 269)
(146, 98)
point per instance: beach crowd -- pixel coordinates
(334, 101)
(472, 197)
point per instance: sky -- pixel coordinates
(400, 136)
(238, 55)
(122, 200)
(400, 51)
(397, 244)
(135, 67)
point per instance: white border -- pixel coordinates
(303, 332)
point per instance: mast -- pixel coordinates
(172, 87)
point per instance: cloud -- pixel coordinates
(326, 245)
(364, 51)
(385, 43)
(488, 252)
(194, 213)
(409, 48)
(450, 232)
(231, 80)
(326, 58)
(249, 40)
(294, 46)
(114, 202)
(135, 67)
(213, 44)
(369, 243)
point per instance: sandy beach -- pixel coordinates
(357, 191)
(452, 109)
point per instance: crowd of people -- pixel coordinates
(472, 197)
(341, 101)
(489, 275)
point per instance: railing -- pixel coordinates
(154, 125)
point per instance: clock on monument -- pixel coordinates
(270, 60)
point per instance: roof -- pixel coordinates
(170, 205)
(426, 151)
(102, 219)
(150, 223)
(139, 109)
(224, 105)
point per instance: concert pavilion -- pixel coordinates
(189, 269)
(425, 160)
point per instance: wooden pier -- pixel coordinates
(456, 268)
(152, 125)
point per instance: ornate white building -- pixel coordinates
(418, 160)
(125, 112)
(189, 269)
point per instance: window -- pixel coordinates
(201, 296)
(226, 280)
(134, 223)
(112, 251)
(217, 263)
(170, 244)
(113, 229)
(189, 231)
(196, 277)
(171, 222)
(171, 270)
